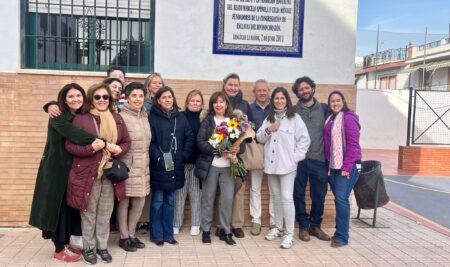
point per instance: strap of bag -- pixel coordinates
(96, 125)
(174, 139)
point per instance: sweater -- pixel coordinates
(352, 149)
(314, 119)
(258, 114)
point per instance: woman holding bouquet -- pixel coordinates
(286, 141)
(214, 170)
(171, 146)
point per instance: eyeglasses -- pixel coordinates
(98, 97)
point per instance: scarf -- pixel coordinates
(107, 131)
(337, 139)
(280, 113)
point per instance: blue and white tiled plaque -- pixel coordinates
(258, 27)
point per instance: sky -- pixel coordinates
(401, 22)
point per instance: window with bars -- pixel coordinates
(88, 34)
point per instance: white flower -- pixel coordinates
(227, 120)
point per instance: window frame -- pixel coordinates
(30, 38)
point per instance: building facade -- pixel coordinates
(50, 43)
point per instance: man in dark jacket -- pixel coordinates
(314, 167)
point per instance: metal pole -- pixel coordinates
(376, 56)
(424, 70)
(408, 130)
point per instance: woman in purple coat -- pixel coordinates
(342, 150)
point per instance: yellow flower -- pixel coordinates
(232, 124)
(220, 137)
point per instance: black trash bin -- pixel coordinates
(370, 191)
(370, 179)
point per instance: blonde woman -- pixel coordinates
(194, 105)
(154, 82)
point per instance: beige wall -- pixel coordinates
(23, 127)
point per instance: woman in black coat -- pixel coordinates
(171, 146)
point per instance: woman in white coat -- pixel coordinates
(286, 141)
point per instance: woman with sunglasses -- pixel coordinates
(49, 211)
(89, 190)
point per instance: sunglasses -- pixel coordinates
(98, 97)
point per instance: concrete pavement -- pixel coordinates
(403, 243)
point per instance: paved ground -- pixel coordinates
(427, 196)
(404, 243)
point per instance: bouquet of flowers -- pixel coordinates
(229, 135)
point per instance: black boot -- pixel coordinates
(228, 238)
(206, 237)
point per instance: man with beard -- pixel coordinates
(313, 167)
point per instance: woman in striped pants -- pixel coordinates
(193, 104)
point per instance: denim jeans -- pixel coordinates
(316, 172)
(161, 212)
(342, 187)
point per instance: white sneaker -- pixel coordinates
(273, 234)
(287, 242)
(176, 230)
(195, 230)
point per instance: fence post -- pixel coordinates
(408, 130)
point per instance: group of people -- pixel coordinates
(169, 156)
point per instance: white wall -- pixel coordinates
(10, 27)
(383, 116)
(183, 44)
(184, 40)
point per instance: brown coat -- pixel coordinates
(86, 162)
(137, 159)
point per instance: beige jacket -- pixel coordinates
(137, 159)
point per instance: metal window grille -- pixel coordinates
(88, 34)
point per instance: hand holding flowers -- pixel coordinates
(228, 136)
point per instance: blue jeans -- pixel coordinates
(161, 212)
(316, 172)
(342, 187)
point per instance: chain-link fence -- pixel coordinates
(429, 117)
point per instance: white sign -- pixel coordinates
(259, 22)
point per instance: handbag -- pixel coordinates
(253, 156)
(118, 172)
